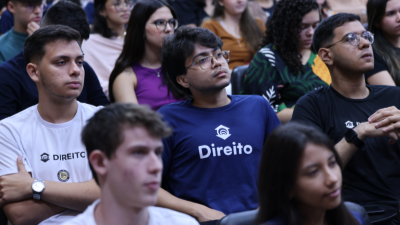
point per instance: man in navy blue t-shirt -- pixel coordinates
(212, 157)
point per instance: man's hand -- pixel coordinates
(388, 119)
(32, 27)
(203, 213)
(366, 129)
(16, 187)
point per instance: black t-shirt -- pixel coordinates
(379, 66)
(269, 11)
(18, 91)
(188, 12)
(373, 173)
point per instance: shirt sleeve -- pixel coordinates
(307, 112)
(10, 152)
(272, 120)
(10, 90)
(379, 66)
(6, 22)
(259, 79)
(95, 94)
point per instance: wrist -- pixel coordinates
(360, 132)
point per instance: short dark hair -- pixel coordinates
(323, 34)
(177, 48)
(104, 131)
(279, 165)
(69, 14)
(34, 48)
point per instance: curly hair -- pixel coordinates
(284, 27)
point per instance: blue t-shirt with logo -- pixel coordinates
(213, 154)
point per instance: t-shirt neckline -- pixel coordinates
(58, 125)
(371, 93)
(233, 101)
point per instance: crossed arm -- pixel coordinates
(384, 122)
(20, 208)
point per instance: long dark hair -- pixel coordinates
(99, 22)
(249, 29)
(284, 29)
(375, 11)
(134, 44)
(278, 171)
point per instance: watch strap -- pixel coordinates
(352, 137)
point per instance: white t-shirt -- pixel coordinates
(158, 216)
(52, 152)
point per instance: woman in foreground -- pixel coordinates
(300, 180)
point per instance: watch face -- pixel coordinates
(38, 186)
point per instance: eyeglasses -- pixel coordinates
(207, 62)
(162, 24)
(120, 6)
(30, 7)
(354, 39)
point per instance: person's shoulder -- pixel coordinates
(86, 217)
(165, 216)
(19, 118)
(248, 98)
(4, 38)
(211, 24)
(88, 109)
(375, 89)
(267, 53)
(174, 107)
(275, 221)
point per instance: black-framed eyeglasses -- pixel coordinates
(354, 39)
(120, 6)
(162, 24)
(207, 61)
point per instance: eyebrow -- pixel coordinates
(352, 33)
(203, 54)
(67, 57)
(315, 164)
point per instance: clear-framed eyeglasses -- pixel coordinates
(120, 6)
(162, 24)
(354, 39)
(207, 61)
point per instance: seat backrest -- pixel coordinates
(237, 78)
(249, 217)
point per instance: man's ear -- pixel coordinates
(33, 72)
(11, 7)
(326, 56)
(181, 79)
(99, 162)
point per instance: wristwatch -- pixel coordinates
(352, 137)
(37, 188)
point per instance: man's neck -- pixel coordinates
(350, 86)
(20, 29)
(210, 100)
(57, 112)
(109, 211)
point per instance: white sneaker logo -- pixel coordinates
(349, 124)
(222, 132)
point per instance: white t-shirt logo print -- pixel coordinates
(223, 132)
(349, 124)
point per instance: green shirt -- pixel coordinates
(11, 43)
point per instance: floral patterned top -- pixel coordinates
(271, 78)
